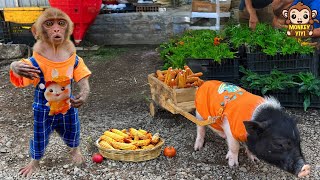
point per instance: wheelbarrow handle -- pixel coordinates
(191, 117)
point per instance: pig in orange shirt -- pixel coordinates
(216, 98)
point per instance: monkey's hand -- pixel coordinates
(82, 97)
(24, 70)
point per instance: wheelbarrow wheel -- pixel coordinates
(153, 108)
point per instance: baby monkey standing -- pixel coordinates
(52, 69)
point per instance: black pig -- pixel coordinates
(273, 137)
(261, 123)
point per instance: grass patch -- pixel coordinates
(103, 53)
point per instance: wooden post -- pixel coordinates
(192, 117)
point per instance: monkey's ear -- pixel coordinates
(285, 13)
(314, 13)
(34, 31)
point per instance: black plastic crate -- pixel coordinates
(20, 33)
(262, 63)
(227, 70)
(291, 98)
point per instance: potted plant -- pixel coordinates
(203, 51)
(268, 48)
(292, 90)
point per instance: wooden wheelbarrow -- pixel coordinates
(176, 101)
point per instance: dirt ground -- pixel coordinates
(119, 99)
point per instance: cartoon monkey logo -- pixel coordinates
(300, 19)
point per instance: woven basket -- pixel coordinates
(131, 155)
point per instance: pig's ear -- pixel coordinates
(254, 127)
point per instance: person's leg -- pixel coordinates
(69, 129)
(244, 16)
(41, 131)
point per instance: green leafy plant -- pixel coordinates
(306, 82)
(309, 85)
(196, 44)
(274, 81)
(265, 38)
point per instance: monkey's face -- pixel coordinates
(55, 30)
(299, 17)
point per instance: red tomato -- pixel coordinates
(169, 151)
(97, 158)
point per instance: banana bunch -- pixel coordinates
(178, 78)
(131, 139)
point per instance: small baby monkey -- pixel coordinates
(52, 68)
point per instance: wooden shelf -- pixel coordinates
(216, 15)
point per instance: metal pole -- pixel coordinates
(218, 14)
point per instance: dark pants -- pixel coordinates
(265, 15)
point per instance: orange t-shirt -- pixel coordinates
(49, 67)
(216, 98)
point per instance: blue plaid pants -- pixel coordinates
(67, 126)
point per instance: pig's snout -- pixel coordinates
(305, 171)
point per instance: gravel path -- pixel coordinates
(119, 99)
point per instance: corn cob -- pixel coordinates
(123, 146)
(135, 132)
(145, 142)
(127, 140)
(124, 130)
(103, 137)
(143, 131)
(107, 138)
(155, 138)
(105, 145)
(150, 146)
(114, 136)
(120, 133)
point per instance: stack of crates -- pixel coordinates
(17, 24)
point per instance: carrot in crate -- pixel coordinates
(188, 70)
(172, 83)
(182, 80)
(198, 74)
(192, 79)
(170, 74)
(160, 75)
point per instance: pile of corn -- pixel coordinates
(131, 139)
(178, 78)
